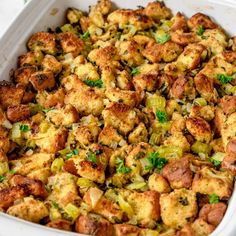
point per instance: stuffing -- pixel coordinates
(110, 137)
(213, 213)
(199, 128)
(42, 80)
(162, 52)
(64, 189)
(136, 18)
(178, 207)
(126, 230)
(94, 225)
(130, 98)
(18, 113)
(146, 207)
(50, 63)
(70, 43)
(30, 59)
(86, 100)
(120, 116)
(22, 74)
(36, 163)
(202, 228)
(53, 99)
(64, 116)
(206, 112)
(52, 140)
(178, 140)
(10, 95)
(129, 52)
(29, 209)
(228, 104)
(60, 224)
(210, 181)
(201, 19)
(178, 173)
(121, 122)
(182, 88)
(9, 195)
(157, 182)
(157, 11)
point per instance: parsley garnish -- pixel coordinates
(122, 168)
(158, 225)
(72, 153)
(213, 198)
(155, 161)
(55, 205)
(94, 83)
(216, 163)
(85, 35)
(200, 30)
(162, 39)
(91, 156)
(24, 128)
(12, 171)
(224, 79)
(2, 178)
(161, 116)
(135, 71)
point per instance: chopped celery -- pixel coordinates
(57, 165)
(85, 183)
(156, 102)
(169, 151)
(199, 147)
(125, 206)
(54, 214)
(155, 138)
(136, 185)
(44, 126)
(68, 28)
(72, 211)
(200, 101)
(3, 168)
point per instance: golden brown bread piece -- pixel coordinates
(42, 80)
(18, 113)
(94, 225)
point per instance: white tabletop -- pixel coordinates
(9, 9)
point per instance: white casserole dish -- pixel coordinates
(38, 16)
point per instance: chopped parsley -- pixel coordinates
(155, 161)
(216, 163)
(55, 205)
(12, 171)
(24, 128)
(158, 225)
(213, 198)
(72, 153)
(85, 35)
(91, 156)
(163, 39)
(94, 83)
(161, 116)
(224, 79)
(135, 71)
(2, 178)
(121, 167)
(184, 201)
(200, 30)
